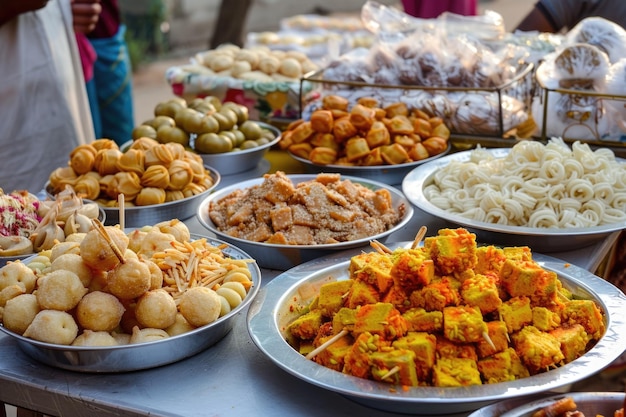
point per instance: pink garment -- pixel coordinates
(428, 9)
(87, 55)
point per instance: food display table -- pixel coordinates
(231, 378)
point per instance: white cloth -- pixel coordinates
(44, 112)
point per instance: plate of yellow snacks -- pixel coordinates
(115, 301)
(284, 220)
(439, 327)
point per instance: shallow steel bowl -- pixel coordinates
(539, 239)
(234, 162)
(388, 174)
(589, 403)
(280, 300)
(282, 257)
(124, 358)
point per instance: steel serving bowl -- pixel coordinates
(125, 358)
(282, 257)
(388, 174)
(273, 309)
(234, 162)
(539, 239)
(138, 216)
(589, 403)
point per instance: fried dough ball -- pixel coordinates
(155, 241)
(135, 239)
(156, 275)
(200, 306)
(176, 228)
(99, 311)
(97, 253)
(19, 312)
(121, 338)
(17, 273)
(156, 309)
(147, 335)
(91, 338)
(69, 246)
(53, 326)
(129, 280)
(73, 262)
(180, 326)
(60, 290)
(10, 292)
(129, 321)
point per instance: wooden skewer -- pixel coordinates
(418, 237)
(120, 202)
(392, 371)
(380, 248)
(103, 232)
(488, 340)
(327, 343)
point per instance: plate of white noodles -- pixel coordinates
(549, 196)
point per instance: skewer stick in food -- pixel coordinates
(418, 237)
(488, 340)
(392, 371)
(327, 343)
(380, 248)
(120, 201)
(103, 232)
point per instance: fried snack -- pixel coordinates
(73, 262)
(97, 252)
(181, 175)
(59, 290)
(200, 306)
(147, 335)
(180, 326)
(99, 311)
(132, 160)
(149, 196)
(91, 338)
(17, 273)
(19, 312)
(156, 176)
(53, 326)
(129, 280)
(106, 161)
(83, 158)
(156, 309)
(176, 228)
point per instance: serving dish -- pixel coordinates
(282, 257)
(138, 216)
(539, 239)
(388, 174)
(125, 358)
(589, 403)
(273, 309)
(234, 162)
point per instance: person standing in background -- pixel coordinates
(230, 23)
(553, 16)
(108, 75)
(429, 9)
(44, 112)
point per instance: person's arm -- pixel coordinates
(11, 8)
(537, 20)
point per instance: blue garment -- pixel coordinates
(110, 89)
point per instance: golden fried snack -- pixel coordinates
(83, 158)
(87, 186)
(126, 183)
(356, 148)
(399, 125)
(19, 312)
(99, 311)
(73, 262)
(343, 129)
(200, 306)
(181, 175)
(106, 161)
(180, 326)
(156, 309)
(322, 121)
(61, 177)
(323, 156)
(435, 145)
(176, 228)
(97, 253)
(71, 245)
(91, 338)
(104, 143)
(53, 326)
(158, 155)
(133, 160)
(143, 143)
(10, 292)
(394, 154)
(156, 275)
(378, 135)
(149, 196)
(302, 150)
(59, 290)
(335, 102)
(17, 273)
(155, 241)
(147, 335)
(129, 280)
(156, 176)
(362, 117)
(302, 132)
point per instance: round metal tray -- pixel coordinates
(124, 358)
(273, 310)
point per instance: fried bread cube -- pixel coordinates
(502, 366)
(307, 325)
(449, 349)
(463, 324)
(489, 259)
(437, 295)
(420, 320)
(361, 293)
(424, 345)
(373, 268)
(404, 360)
(332, 296)
(538, 350)
(357, 359)
(573, 341)
(527, 278)
(344, 318)
(333, 356)
(497, 332)
(518, 253)
(411, 268)
(481, 291)
(455, 372)
(516, 313)
(398, 297)
(545, 319)
(586, 313)
(453, 251)
(381, 319)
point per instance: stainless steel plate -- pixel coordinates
(539, 239)
(589, 403)
(388, 174)
(126, 358)
(283, 257)
(229, 163)
(273, 309)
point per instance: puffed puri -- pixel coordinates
(99, 311)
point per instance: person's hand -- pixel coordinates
(85, 14)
